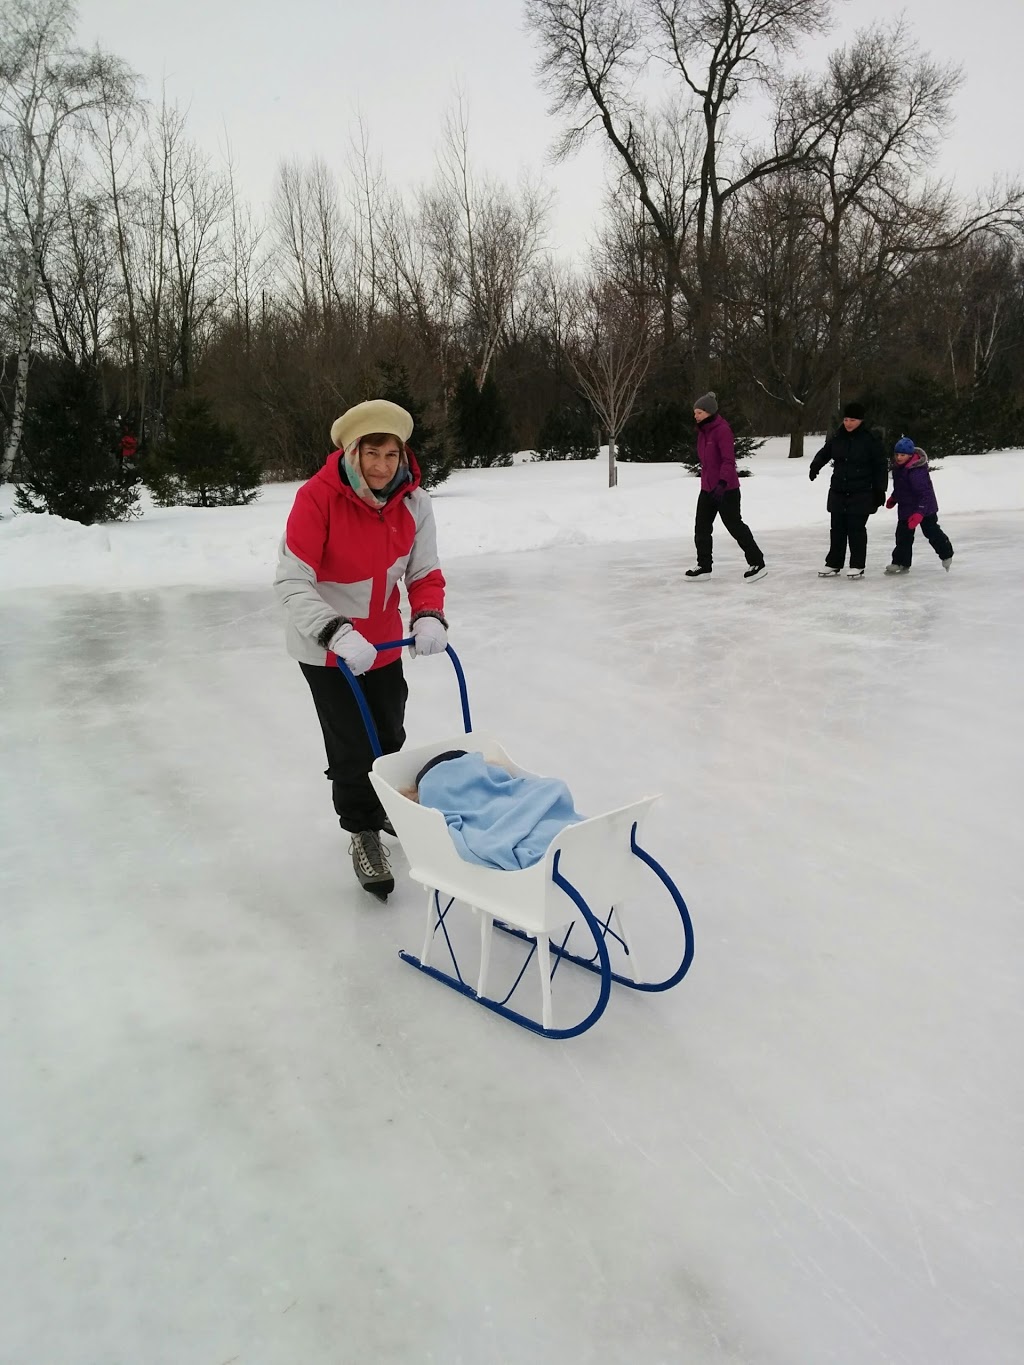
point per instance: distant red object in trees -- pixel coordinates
(129, 445)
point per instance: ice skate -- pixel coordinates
(698, 572)
(370, 864)
(826, 572)
(897, 568)
(754, 572)
(855, 573)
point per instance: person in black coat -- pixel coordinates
(860, 478)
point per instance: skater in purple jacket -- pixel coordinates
(914, 497)
(719, 491)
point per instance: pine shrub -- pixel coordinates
(70, 462)
(480, 427)
(568, 433)
(427, 444)
(200, 462)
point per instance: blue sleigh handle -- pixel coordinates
(360, 695)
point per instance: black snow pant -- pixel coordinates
(349, 756)
(852, 528)
(903, 551)
(709, 507)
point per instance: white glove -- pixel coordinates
(429, 636)
(353, 648)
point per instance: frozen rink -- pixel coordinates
(237, 1128)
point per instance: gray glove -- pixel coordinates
(353, 648)
(429, 635)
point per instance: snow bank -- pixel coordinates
(531, 505)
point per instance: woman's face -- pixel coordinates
(699, 415)
(378, 459)
(852, 423)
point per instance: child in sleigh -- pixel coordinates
(495, 818)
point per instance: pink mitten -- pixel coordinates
(915, 521)
(891, 501)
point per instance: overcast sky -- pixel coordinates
(288, 78)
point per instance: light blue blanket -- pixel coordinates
(496, 819)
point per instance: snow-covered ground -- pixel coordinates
(527, 507)
(236, 1127)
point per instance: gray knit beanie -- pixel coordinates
(707, 402)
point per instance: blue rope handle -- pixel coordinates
(364, 708)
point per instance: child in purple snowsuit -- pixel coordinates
(914, 497)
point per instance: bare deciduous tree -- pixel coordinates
(314, 243)
(248, 270)
(367, 197)
(609, 348)
(117, 129)
(822, 249)
(49, 90)
(490, 235)
(78, 273)
(291, 222)
(196, 202)
(592, 55)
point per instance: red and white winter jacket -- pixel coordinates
(341, 560)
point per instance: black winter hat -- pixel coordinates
(854, 410)
(439, 758)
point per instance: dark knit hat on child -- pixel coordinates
(439, 758)
(707, 402)
(854, 410)
(904, 446)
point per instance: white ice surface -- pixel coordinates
(236, 1127)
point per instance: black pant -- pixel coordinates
(349, 756)
(849, 527)
(709, 507)
(903, 552)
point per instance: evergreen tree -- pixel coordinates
(200, 462)
(660, 432)
(664, 432)
(481, 432)
(943, 421)
(427, 445)
(70, 457)
(568, 433)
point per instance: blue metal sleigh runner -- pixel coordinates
(577, 892)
